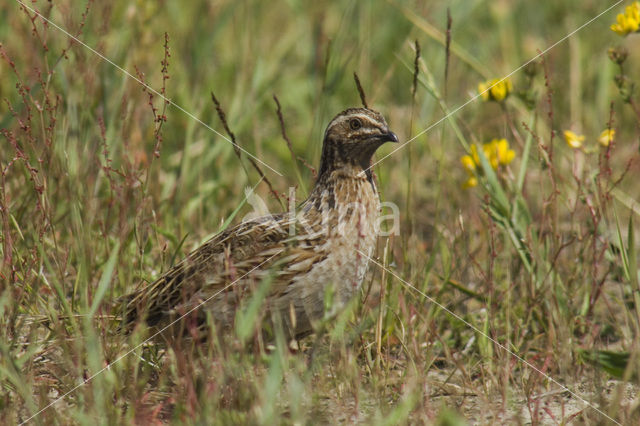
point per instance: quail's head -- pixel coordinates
(353, 136)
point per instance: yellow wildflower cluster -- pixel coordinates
(495, 90)
(629, 21)
(575, 141)
(497, 153)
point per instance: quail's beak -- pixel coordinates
(389, 136)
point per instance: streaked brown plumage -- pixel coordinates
(299, 254)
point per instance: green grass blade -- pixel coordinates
(623, 253)
(246, 319)
(105, 280)
(631, 256)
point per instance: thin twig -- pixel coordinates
(414, 90)
(223, 119)
(283, 129)
(294, 157)
(447, 51)
(236, 148)
(416, 70)
(363, 98)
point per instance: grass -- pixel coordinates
(103, 186)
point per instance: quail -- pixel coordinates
(320, 248)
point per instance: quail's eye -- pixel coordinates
(355, 124)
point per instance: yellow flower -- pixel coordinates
(503, 152)
(468, 164)
(495, 90)
(606, 137)
(496, 151)
(573, 140)
(470, 183)
(629, 21)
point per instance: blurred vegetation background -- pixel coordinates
(104, 186)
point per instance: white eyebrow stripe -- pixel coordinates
(366, 118)
(361, 116)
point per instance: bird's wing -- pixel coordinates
(274, 245)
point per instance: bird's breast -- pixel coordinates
(346, 214)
